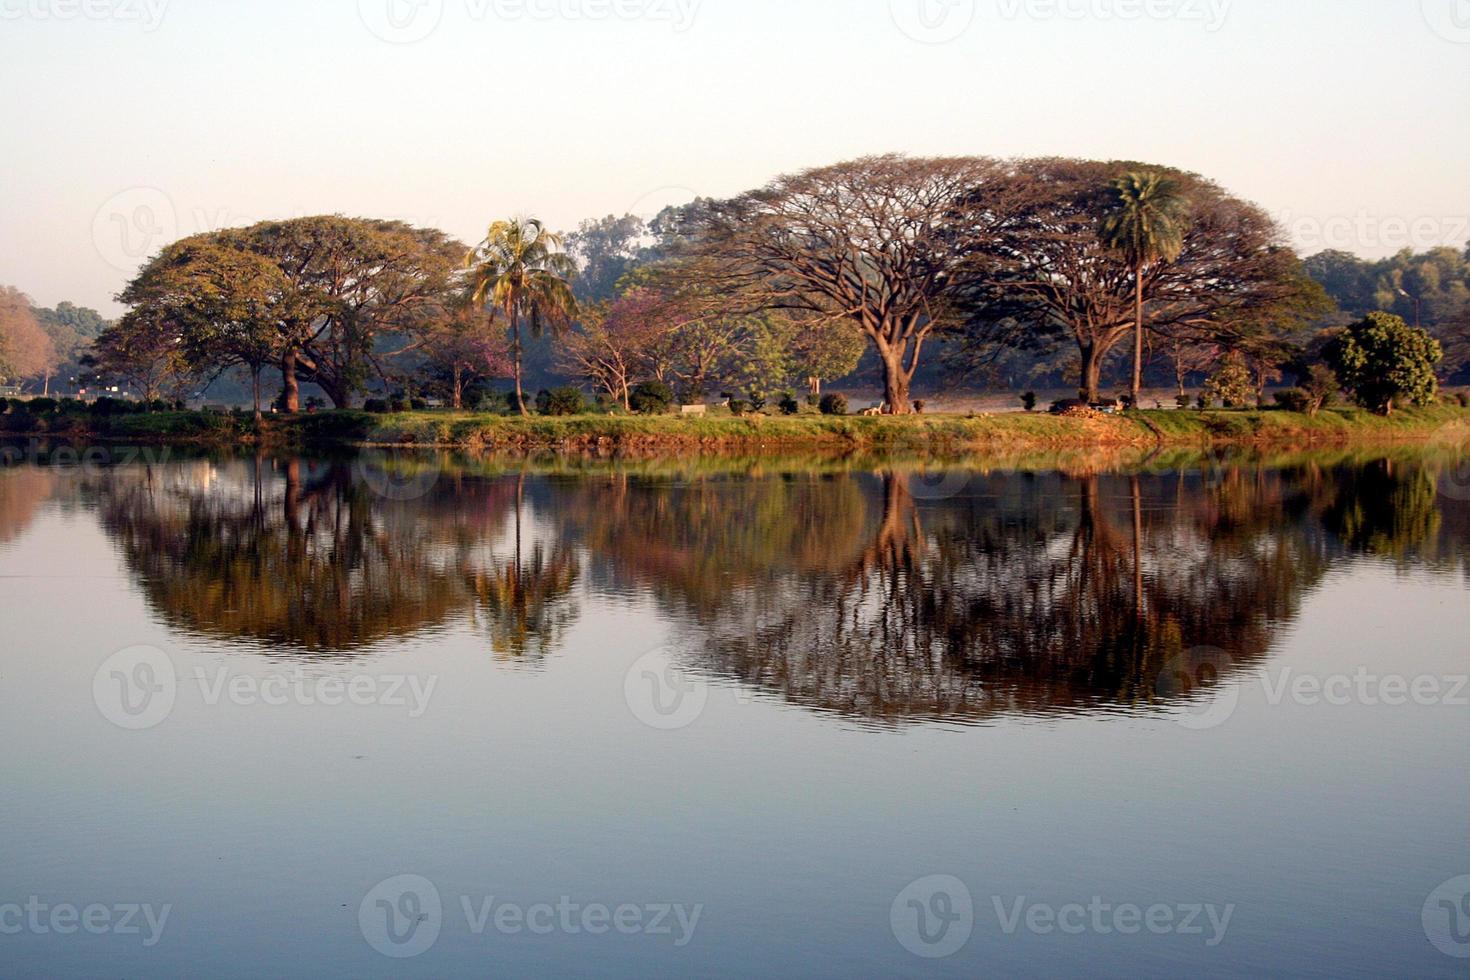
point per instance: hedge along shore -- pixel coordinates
(653, 435)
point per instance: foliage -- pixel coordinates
(870, 241)
(834, 404)
(142, 352)
(25, 349)
(1293, 400)
(1028, 401)
(652, 398)
(1041, 273)
(462, 347)
(522, 270)
(788, 404)
(1145, 222)
(1383, 361)
(561, 402)
(1321, 385)
(1231, 385)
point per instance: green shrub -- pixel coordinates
(561, 402)
(4, 405)
(1028, 401)
(739, 407)
(375, 406)
(41, 406)
(1464, 397)
(652, 398)
(113, 406)
(789, 405)
(1183, 401)
(1231, 385)
(1204, 401)
(834, 404)
(400, 404)
(1294, 400)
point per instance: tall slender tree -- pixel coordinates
(1146, 224)
(523, 270)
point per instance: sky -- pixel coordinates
(129, 123)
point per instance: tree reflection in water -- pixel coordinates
(855, 593)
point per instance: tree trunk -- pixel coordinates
(458, 387)
(290, 386)
(255, 385)
(1137, 389)
(515, 348)
(896, 384)
(1091, 373)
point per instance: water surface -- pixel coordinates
(842, 716)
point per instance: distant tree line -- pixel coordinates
(984, 270)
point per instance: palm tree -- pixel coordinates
(1145, 223)
(522, 270)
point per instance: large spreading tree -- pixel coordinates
(870, 242)
(1041, 270)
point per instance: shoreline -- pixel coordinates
(774, 435)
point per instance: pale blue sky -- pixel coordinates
(1346, 118)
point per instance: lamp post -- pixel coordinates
(1418, 324)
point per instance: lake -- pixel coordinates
(424, 715)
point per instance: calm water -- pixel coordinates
(429, 717)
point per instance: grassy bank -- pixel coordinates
(668, 434)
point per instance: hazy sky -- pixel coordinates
(131, 122)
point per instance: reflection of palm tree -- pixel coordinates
(529, 603)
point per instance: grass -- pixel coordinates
(758, 435)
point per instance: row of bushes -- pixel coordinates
(75, 406)
(648, 398)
